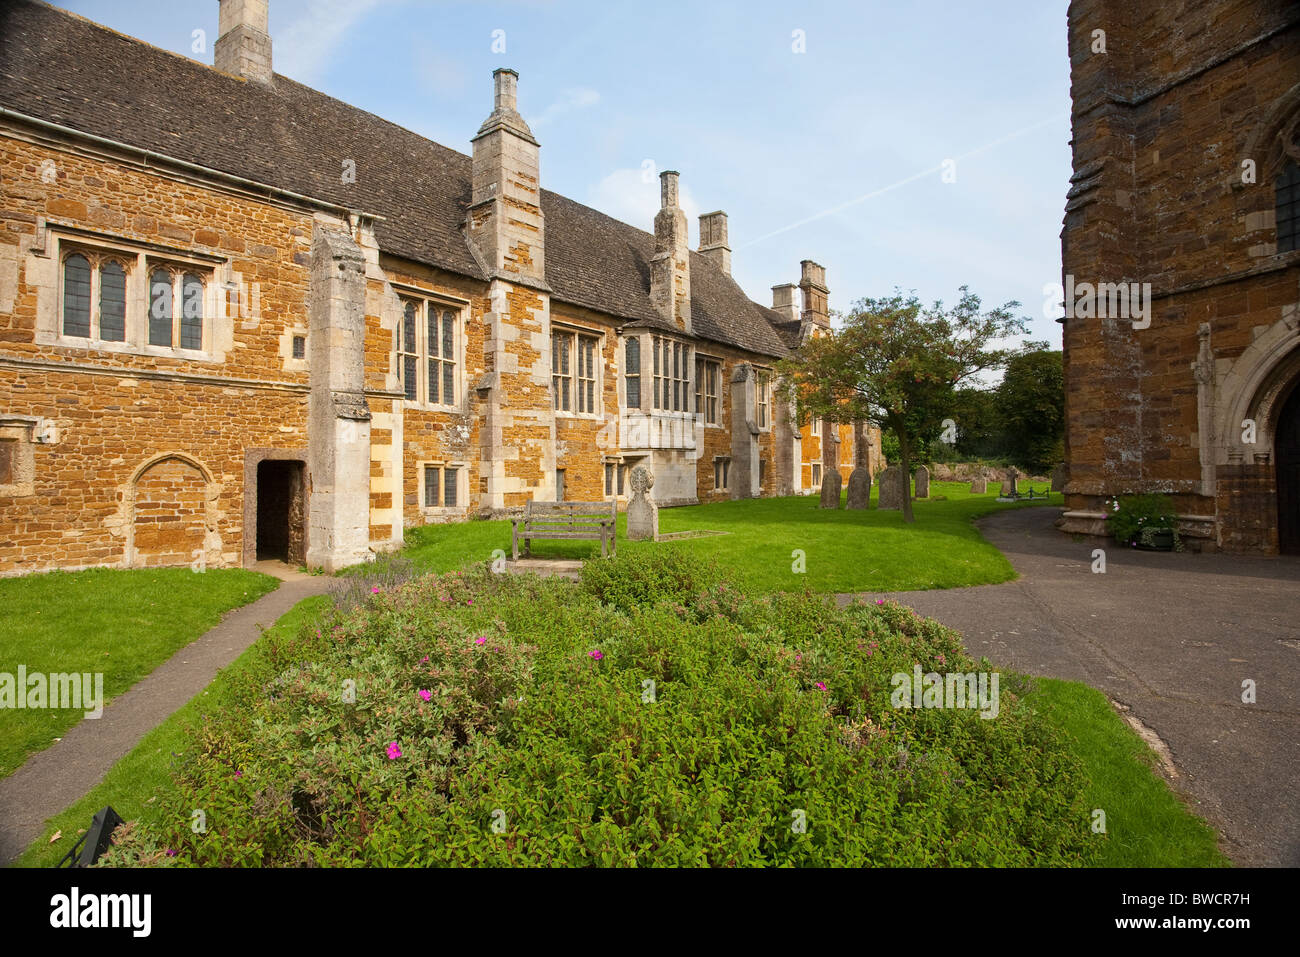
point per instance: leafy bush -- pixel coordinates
(607, 723)
(1132, 518)
(647, 576)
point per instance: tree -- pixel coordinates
(1031, 403)
(896, 364)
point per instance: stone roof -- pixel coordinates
(61, 68)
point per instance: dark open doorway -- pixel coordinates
(1287, 453)
(280, 511)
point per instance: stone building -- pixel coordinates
(1182, 266)
(242, 319)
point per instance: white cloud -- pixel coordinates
(575, 98)
(303, 48)
(632, 195)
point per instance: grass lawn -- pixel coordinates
(843, 551)
(121, 622)
(1147, 826)
(135, 779)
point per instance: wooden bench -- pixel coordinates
(580, 520)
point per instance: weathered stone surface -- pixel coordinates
(642, 512)
(1060, 475)
(979, 486)
(859, 488)
(1009, 487)
(922, 482)
(893, 488)
(831, 489)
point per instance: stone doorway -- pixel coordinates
(281, 512)
(1287, 452)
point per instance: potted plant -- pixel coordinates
(1148, 522)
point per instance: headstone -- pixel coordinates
(1059, 477)
(1009, 486)
(642, 512)
(922, 482)
(831, 489)
(893, 488)
(979, 486)
(859, 488)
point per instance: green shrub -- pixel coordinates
(610, 724)
(648, 576)
(1132, 516)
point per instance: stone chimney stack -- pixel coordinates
(670, 269)
(243, 46)
(505, 215)
(713, 240)
(812, 283)
(783, 301)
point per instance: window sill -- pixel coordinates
(580, 416)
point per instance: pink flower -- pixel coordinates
(170, 852)
(239, 774)
(798, 657)
(424, 660)
(595, 654)
(394, 752)
(481, 640)
(425, 694)
(821, 686)
(880, 601)
(942, 660)
(375, 590)
(469, 601)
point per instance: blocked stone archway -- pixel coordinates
(171, 514)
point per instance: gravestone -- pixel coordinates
(642, 512)
(1009, 486)
(831, 489)
(1059, 477)
(979, 486)
(893, 488)
(922, 482)
(859, 488)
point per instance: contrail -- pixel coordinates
(902, 182)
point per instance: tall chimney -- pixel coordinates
(812, 283)
(243, 46)
(783, 301)
(670, 269)
(713, 240)
(505, 215)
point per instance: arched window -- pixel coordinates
(1288, 207)
(112, 302)
(76, 296)
(160, 308)
(192, 311)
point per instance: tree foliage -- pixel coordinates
(896, 363)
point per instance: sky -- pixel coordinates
(920, 146)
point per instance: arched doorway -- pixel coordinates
(1287, 452)
(169, 513)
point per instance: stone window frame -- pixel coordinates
(815, 474)
(575, 334)
(632, 372)
(616, 472)
(459, 310)
(444, 466)
(680, 357)
(178, 292)
(763, 398)
(722, 473)
(139, 260)
(1287, 212)
(97, 260)
(815, 426)
(702, 361)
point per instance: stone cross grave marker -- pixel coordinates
(642, 512)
